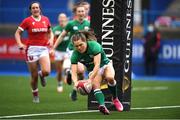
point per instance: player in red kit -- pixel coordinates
(40, 38)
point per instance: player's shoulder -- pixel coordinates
(86, 22)
(93, 45)
(57, 30)
(75, 54)
(75, 51)
(93, 42)
(57, 27)
(44, 17)
(72, 22)
(28, 18)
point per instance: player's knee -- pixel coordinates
(81, 68)
(110, 80)
(95, 85)
(45, 73)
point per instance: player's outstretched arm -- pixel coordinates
(74, 74)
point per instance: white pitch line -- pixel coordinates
(88, 111)
(41, 114)
(150, 88)
(160, 107)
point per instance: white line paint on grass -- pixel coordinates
(89, 111)
(42, 114)
(160, 107)
(157, 88)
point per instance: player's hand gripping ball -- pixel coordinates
(84, 87)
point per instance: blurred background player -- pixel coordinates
(151, 49)
(40, 37)
(87, 9)
(60, 53)
(79, 23)
(89, 52)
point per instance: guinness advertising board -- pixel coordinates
(112, 22)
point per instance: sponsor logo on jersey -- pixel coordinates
(66, 38)
(44, 22)
(33, 23)
(75, 28)
(86, 28)
(39, 30)
(57, 32)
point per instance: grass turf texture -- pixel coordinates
(16, 99)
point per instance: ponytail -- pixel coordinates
(84, 36)
(90, 35)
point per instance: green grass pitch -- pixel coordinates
(16, 99)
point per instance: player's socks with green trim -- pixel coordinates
(99, 96)
(113, 89)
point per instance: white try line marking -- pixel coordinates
(150, 88)
(89, 111)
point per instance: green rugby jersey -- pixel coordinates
(87, 58)
(57, 30)
(74, 26)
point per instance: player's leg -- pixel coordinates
(81, 71)
(68, 68)
(68, 76)
(99, 95)
(59, 60)
(59, 70)
(33, 69)
(32, 62)
(109, 74)
(45, 66)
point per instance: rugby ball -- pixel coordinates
(84, 87)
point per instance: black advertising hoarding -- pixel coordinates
(112, 22)
(127, 62)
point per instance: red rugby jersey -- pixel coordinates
(37, 30)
